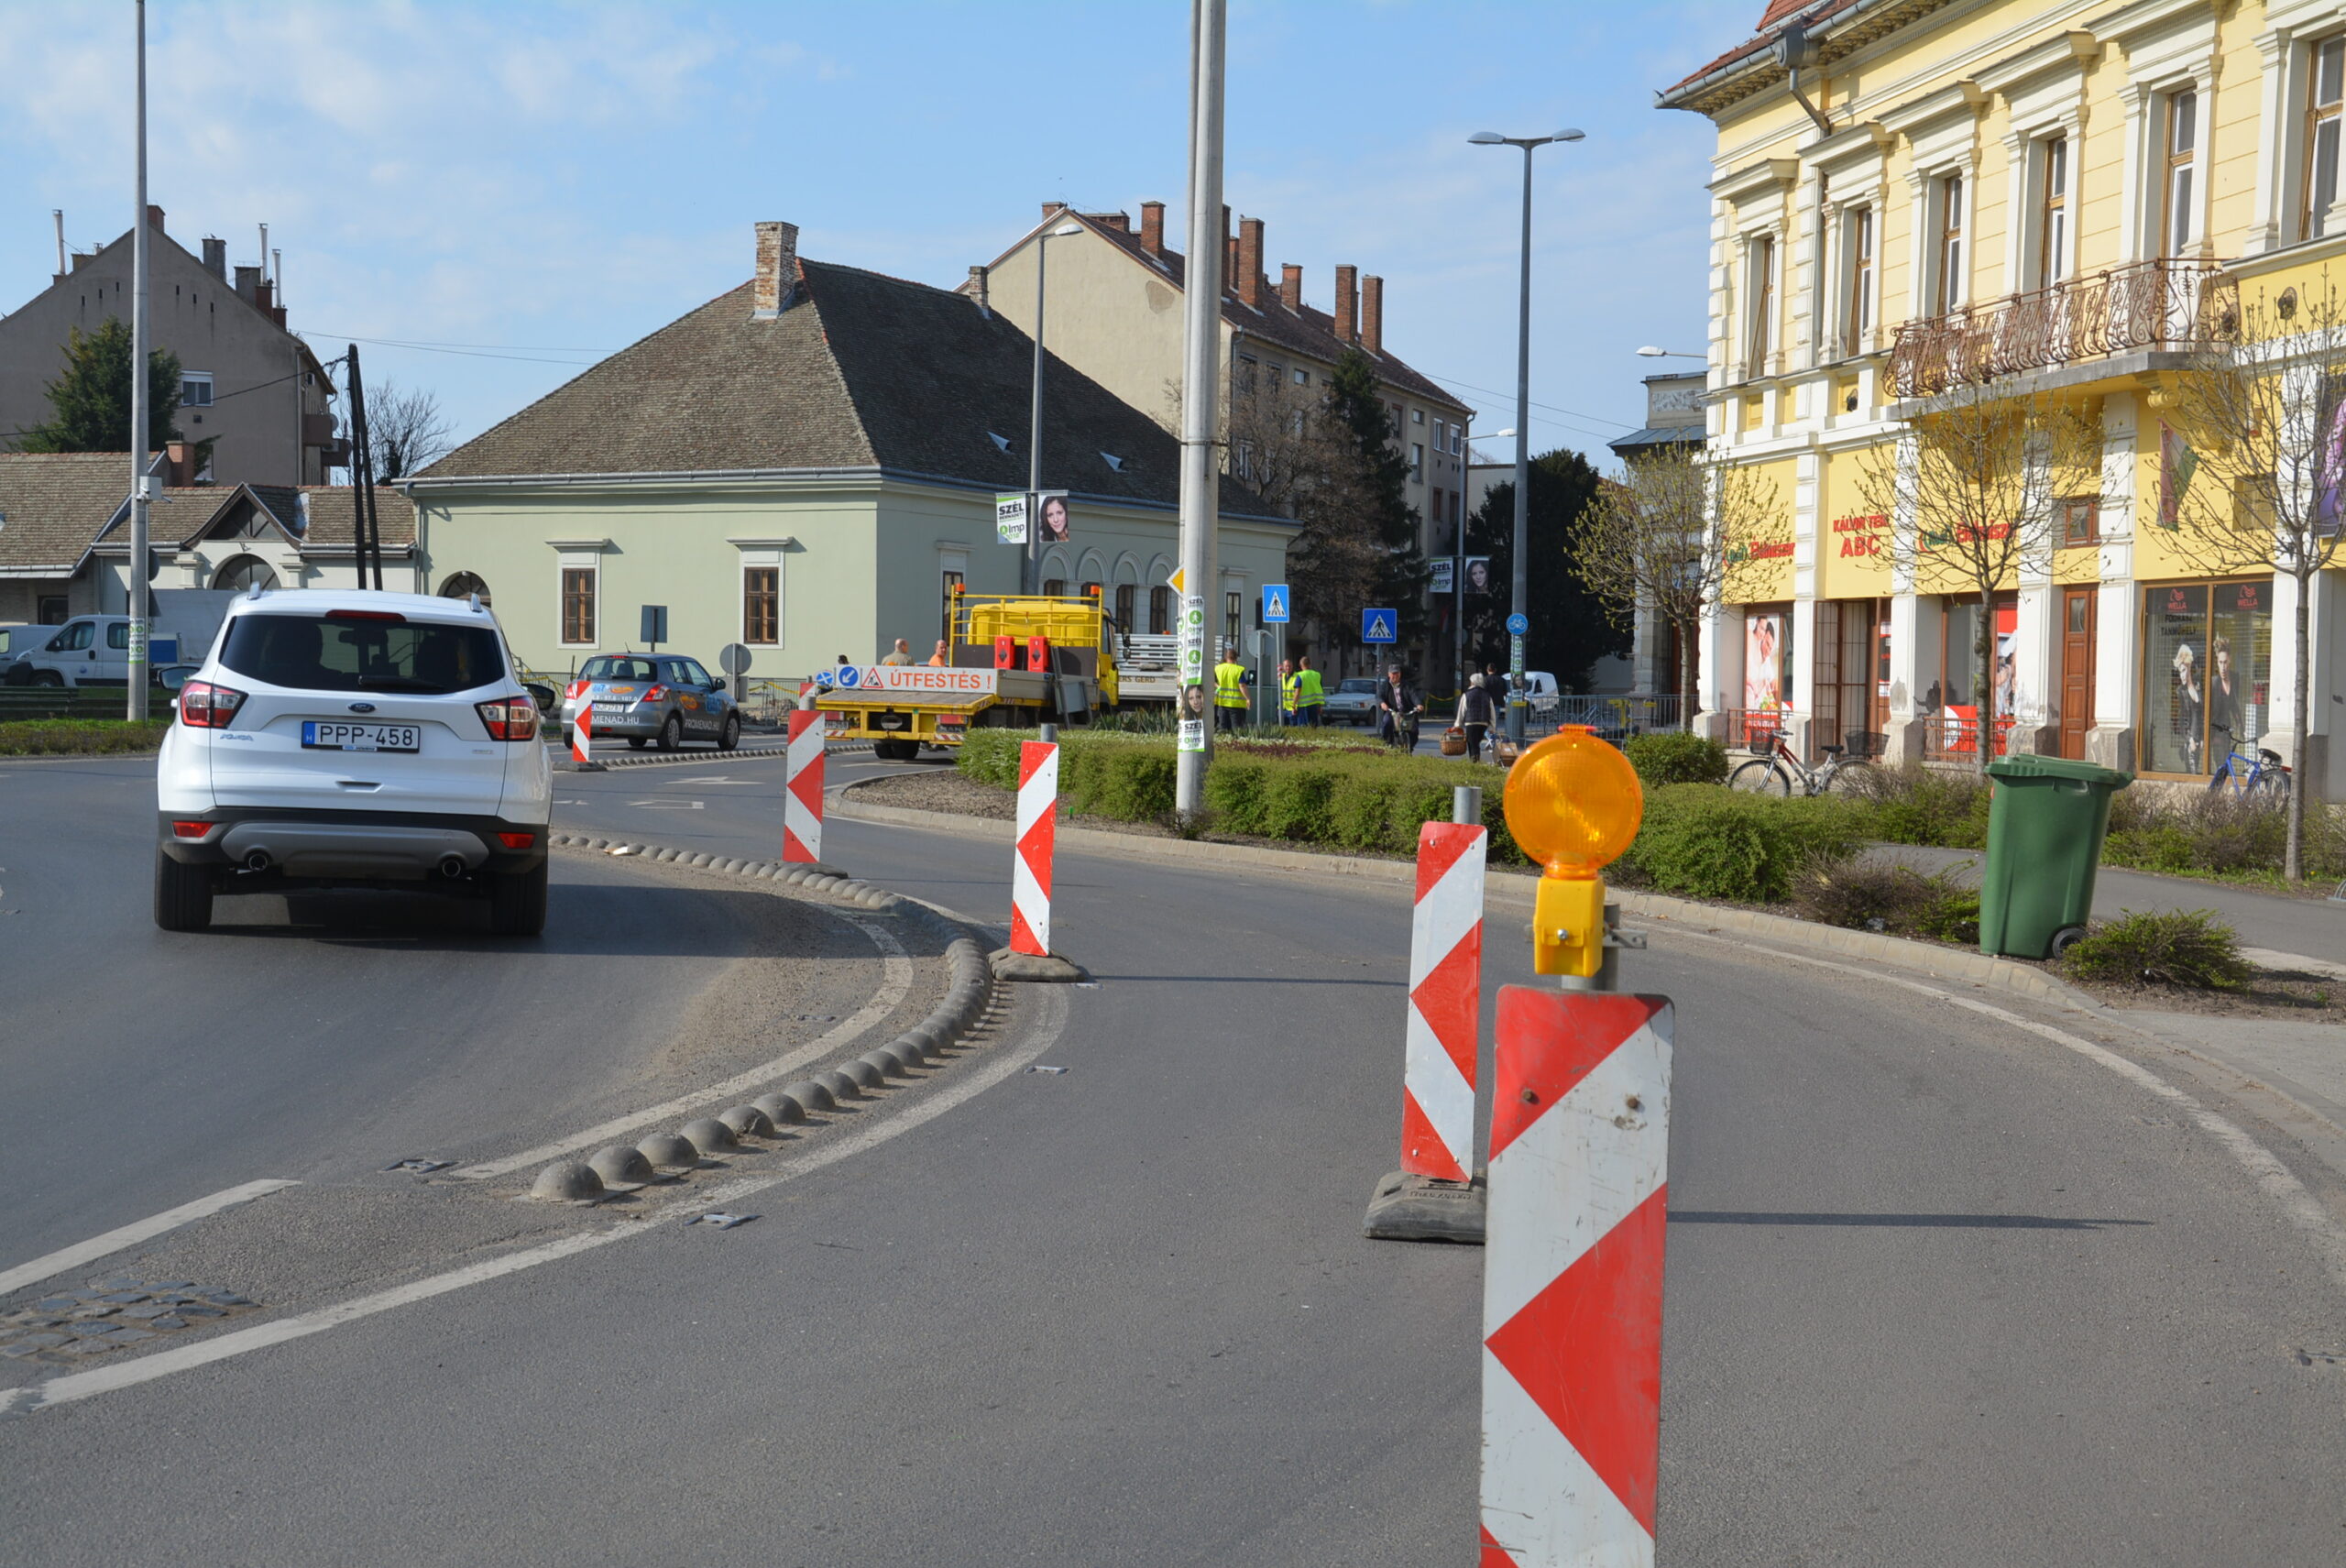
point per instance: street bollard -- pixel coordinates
(1466, 802)
(1432, 1197)
(582, 734)
(1030, 869)
(802, 790)
(1579, 1195)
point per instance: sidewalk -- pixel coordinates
(2312, 927)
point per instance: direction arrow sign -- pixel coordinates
(1379, 626)
(1275, 604)
(1517, 624)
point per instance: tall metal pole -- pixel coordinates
(1029, 573)
(1516, 705)
(1201, 353)
(137, 575)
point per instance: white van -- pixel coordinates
(94, 650)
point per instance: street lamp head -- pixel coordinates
(1066, 229)
(1502, 434)
(1569, 133)
(1650, 352)
(1487, 138)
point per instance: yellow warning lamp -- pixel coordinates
(1574, 803)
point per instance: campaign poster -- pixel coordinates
(1444, 576)
(1478, 575)
(1010, 518)
(1052, 504)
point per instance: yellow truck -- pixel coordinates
(1013, 661)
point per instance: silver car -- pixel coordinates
(653, 700)
(1353, 702)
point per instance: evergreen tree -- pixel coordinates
(1385, 516)
(91, 399)
(1570, 628)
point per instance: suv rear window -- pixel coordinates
(604, 667)
(361, 654)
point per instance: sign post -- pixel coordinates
(653, 627)
(734, 660)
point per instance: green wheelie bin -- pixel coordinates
(2045, 829)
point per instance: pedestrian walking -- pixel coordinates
(1309, 694)
(1289, 691)
(1475, 715)
(1399, 704)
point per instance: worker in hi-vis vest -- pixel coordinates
(1289, 691)
(1308, 697)
(1231, 680)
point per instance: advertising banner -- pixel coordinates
(1010, 518)
(1478, 575)
(906, 682)
(1445, 580)
(1052, 505)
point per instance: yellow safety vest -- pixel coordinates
(1309, 695)
(1230, 684)
(1290, 691)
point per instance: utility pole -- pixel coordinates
(1201, 371)
(366, 539)
(139, 413)
(1029, 573)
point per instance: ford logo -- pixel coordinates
(362, 708)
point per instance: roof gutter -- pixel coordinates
(1760, 54)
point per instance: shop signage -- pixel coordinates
(1765, 550)
(1861, 534)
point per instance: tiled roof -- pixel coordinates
(1308, 331)
(53, 504)
(860, 371)
(332, 510)
(1658, 435)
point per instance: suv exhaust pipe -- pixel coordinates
(451, 866)
(259, 860)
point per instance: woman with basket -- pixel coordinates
(1475, 715)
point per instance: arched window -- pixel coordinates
(462, 583)
(244, 573)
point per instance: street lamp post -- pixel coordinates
(1515, 699)
(1029, 566)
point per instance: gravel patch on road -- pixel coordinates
(940, 789)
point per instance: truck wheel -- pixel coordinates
(672, 733)
(48, 678)
(517, 902)
(730, 736)
(183, 895)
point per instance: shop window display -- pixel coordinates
(1952, 699)
(1767, 667)
(2207, 673)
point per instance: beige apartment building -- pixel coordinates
(1113, 305)
(246, 383)
(2027, 196)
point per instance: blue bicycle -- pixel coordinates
(2262, 780)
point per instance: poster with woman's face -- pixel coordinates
(1763, 638)
(1054, 519)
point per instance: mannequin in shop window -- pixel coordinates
(2223, 699)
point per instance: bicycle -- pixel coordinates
(1772, 771)
(2262, 781)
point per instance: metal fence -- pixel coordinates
(1613, 714)
(2167, 304)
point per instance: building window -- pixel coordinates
(1417, 416)
(1231, 608)
(1303, 377)
(1759, 265)
(2182, 150)
(195, 389)
(1160, 611)
(1127, 602)
(1952, 702)
(578, 606)
(1416, 460)
(2325, 87)
(2053, 215)
(2080, 520)
(2206, 673)
(762, 605)
(51, 609)
(1054, 587)
(1950, 246)
(1859, 333)
(950, 583)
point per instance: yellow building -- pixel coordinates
(2033, 196)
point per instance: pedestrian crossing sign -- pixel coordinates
(1378, 626)
(1275, 604)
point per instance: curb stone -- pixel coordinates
(670, 760)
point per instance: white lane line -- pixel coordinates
(896, 984)
(133, 1233)
(2297, 1205)
(78, 1385)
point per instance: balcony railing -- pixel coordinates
(2165, 305)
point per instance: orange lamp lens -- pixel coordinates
(1573, 802)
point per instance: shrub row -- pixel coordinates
(1675, 757)
(1707, 843)
(79, 737)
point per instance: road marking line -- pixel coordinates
(896, 984)
(133, 1233)
(74, 1386)
(2297, 1205)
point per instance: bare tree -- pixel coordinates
(406, 429)
(1671, 537)
(2254, 472)
(1974, 487)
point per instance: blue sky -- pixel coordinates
(528, 186)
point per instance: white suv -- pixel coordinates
(355, 739)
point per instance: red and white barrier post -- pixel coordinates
(802, 789)
(1572, 1278)
(582, 734)
(1030, 870)
(1430, 1197)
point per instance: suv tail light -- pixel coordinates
(510, 719)
(517, 840)
(204, 706)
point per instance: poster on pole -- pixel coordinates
(1010, 517)
(1051, 507)
(1191, 733)
(1444, 576)
(1479, 573)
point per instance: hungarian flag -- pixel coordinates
(2177, 463)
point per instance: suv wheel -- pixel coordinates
(730, 736)
(517, 903)
(672, 733)
(183, 895)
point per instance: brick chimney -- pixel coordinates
(154, 217)
(179, 458)
(777, 269)
(215, 258)
(1152, 227)
(1292, 287)
(1347, 305)
(977, 291)
(1250, 262)
(1372, 314)
(248, 282)
(1229, 264)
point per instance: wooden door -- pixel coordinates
(2077, 617)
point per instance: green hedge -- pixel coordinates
(79, 737)
(1674, 757)
(1707, 842)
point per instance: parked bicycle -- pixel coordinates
(2261, 781)
(1775, 769)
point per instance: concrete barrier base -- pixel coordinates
(1411, 1208)
(1050, 970)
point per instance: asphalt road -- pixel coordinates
(1940, 1292)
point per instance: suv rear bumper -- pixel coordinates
(351, 845)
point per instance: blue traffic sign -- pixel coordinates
(1517, 624)
(1275, 604)
(1379, 626)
